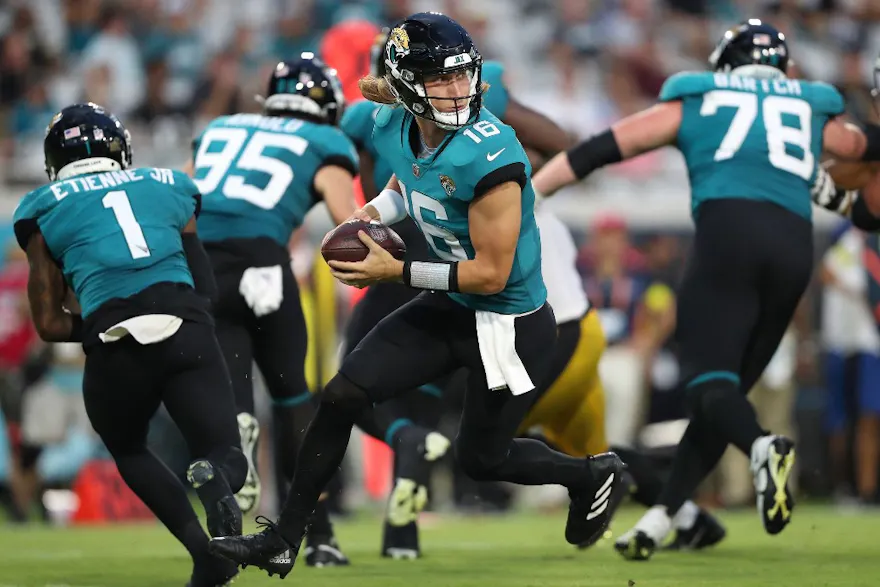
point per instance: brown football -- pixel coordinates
(852, 175)
(342, 243)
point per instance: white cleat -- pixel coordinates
(248, 497)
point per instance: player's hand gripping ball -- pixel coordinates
(363, 253)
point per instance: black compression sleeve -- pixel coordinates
(199, 266)
(594, 153)
(872, 149)
(862, 217)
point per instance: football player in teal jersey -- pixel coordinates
(464, 178)
(116, 264)
(259, 175)
(406, 423)
(752, 139)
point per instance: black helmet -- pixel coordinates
(377, 53)
(306, 88)
(431, 44)
(88, 134)
(750, 43)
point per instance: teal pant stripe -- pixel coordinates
(394, 428)
(712, 375)
(290, 402)
(432, 390)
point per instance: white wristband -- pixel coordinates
(390, 206)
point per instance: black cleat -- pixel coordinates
(324, 552)
(775, 501)
(266, 549)
(707, 531)
(216, 572)
(400, 542)
(223, 514)
(635, 545)
(592, 508)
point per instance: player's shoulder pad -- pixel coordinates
(825, 98)
(334, 147)
(197, 140)
(386, 114)
(358, 119)
(487, 154)
(181, 193)
(32, 206)
(687, 83)
(497, 97)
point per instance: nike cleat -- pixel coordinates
(772, 465)
(707, 531)
(324, 552)
(401, 542)
(223, 514)
(592, 508)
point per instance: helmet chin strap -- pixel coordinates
(83, 166)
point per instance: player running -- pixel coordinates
(466, 183)
(571, 412)
(121, 244)
(751, 139)
(260, 174)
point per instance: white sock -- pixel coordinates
(655, 523)
(686, 516)
(759, 452)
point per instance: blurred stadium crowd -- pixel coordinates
(167, 67)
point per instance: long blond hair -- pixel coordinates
(376, 89)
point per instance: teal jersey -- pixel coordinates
(496, 98)
(753, 138)
(256, 174)
(438, 191)
(357, 124)
(115, 233)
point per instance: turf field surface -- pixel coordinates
(821, 548)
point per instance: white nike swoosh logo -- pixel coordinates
(493, 156)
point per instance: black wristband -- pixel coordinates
(862, 218)
(76, 328)
(407, 273)
(594, 153)
(872, 148)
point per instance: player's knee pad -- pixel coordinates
(705, 397)
(343, 395)
(233, 464)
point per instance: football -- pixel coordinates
(851, 175)
(342, 243)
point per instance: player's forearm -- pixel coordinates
(578, 162)
(482, 278)
(554, 175)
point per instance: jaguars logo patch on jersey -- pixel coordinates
(448, 185)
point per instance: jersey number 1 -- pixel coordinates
(134, 237)
(778, 134)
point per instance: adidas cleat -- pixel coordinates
(248, 497)
(772, 465)
(223, 515)
(592, 508)
(265, 550)
(322, 552)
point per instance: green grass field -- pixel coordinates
(821, 548)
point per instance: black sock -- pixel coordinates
(728, 413)
(322, 451)
(320, 528)
(648, 482)
(290, 424)
(531, 462)
(696, 456)
(164, 494)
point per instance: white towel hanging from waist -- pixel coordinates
(146, 329)
(496, 335)
(262, 289)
